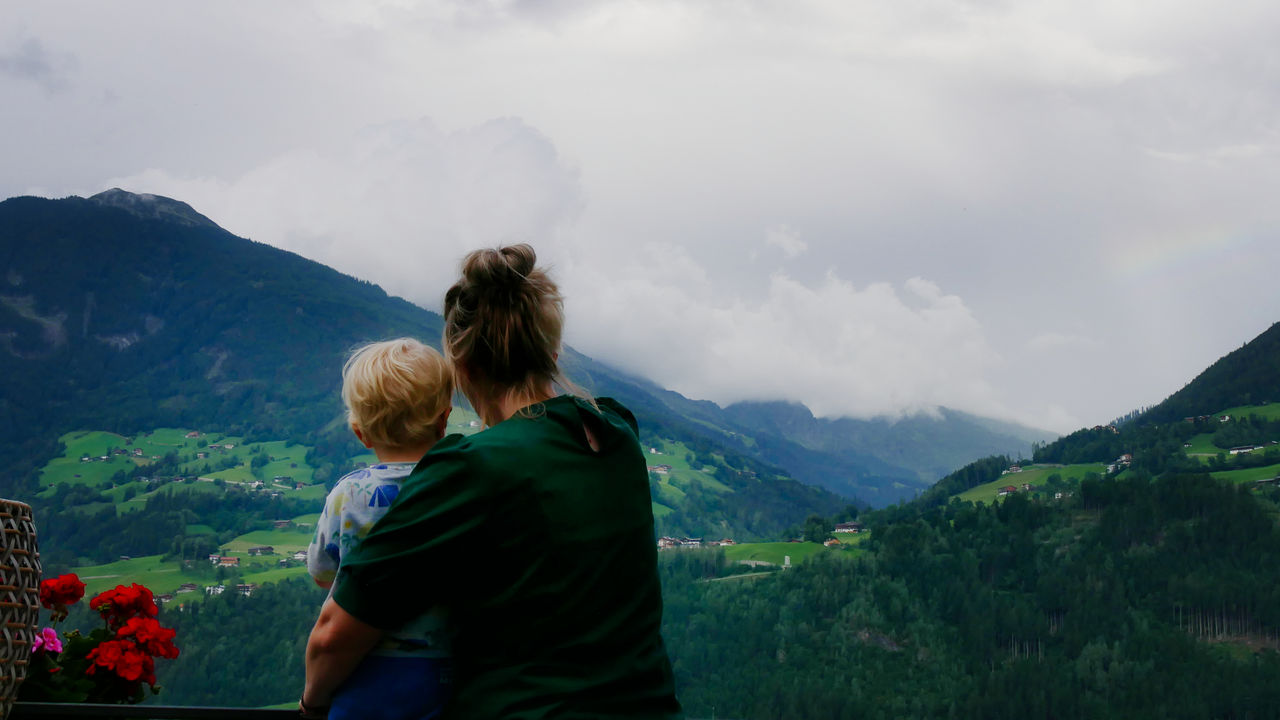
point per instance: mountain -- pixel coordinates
(124, 311)
(928, 446)
(1249, 375)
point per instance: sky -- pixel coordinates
(1050, 211)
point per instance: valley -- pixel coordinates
(181, 428)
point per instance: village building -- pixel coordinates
(660, 469)
(831, 542)
(849, 527)
(215, 589)
(262, 550)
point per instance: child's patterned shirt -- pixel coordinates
(356, 502)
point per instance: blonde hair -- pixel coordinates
(395, 390)
(502, 323)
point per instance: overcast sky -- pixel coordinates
(1054, 211)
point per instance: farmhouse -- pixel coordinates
(1244, 449)
(300, 556)
(831, 542)
(281, 524)
(215, 589)
(186, 588)
(262, 550)
(849, 527)
(1006, 490)
(660, 469)
(228, 562)
(246, 589)
(670, 542)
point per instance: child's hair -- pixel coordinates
(394, 390)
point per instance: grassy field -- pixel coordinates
(1202, 444)
(1270, 412)
(284, 541)
(275, 575)
(284, 459)
(773, 552)
(198, 486)
(1034, 475)
(1249, 474)
(659, 510)
(672, 483)
(157, 576)
(69, 469)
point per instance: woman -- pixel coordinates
(536, 534)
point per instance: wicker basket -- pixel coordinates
(19, 597)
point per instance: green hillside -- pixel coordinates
(1037, 476)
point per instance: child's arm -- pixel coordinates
(324, 553)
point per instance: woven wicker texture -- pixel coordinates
(19, 597)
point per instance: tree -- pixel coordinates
(817, 528)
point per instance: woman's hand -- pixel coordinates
(338, 642)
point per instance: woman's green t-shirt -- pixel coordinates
(542, 550)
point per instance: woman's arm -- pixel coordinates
(338, 642)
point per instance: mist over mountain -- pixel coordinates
(129, 310)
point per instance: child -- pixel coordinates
(397, 395)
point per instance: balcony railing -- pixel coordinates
(155, 712)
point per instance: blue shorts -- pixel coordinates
(394, 688)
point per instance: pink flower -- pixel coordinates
(47, 640)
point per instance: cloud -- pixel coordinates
(1052, 341)
(787, 240)
(1060, 172)
(397, 204)
(840, 349)
(31, 60)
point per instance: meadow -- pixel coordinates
(772, 552)
(1033, 475)
(1248, 475)
(1270, 412)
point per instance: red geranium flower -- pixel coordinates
(57, 593)
(119, 605)
(107, 655)
(150, 636)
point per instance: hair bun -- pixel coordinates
(508, 267)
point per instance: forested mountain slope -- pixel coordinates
(1249, 375)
